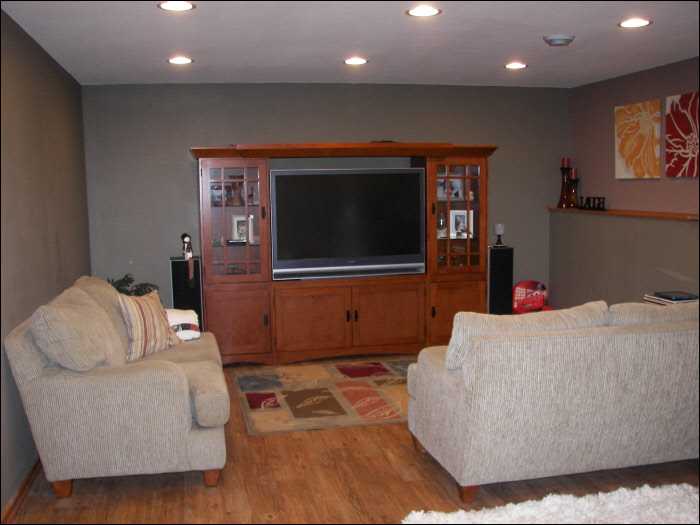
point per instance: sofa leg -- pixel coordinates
(211, 477)
(467, 494)
(63, 489)
(417, 444)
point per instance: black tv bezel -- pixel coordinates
(326, 268)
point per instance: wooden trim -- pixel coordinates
(665, 215)
(10, 512)
(343, 149)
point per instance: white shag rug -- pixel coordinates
(666, 504)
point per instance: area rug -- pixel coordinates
(321, 395)
(665, 504)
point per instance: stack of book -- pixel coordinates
(671, 297)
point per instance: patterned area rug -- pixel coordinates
(313, 396)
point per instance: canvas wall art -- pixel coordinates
(638, 140)
(682, 135)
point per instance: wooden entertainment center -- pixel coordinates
(258, 320)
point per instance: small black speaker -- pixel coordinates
(500, 295)
(187, 293)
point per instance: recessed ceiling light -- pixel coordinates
(177, 6)
(634, 22)
(423, 10)
(515, 65)
(180, 61)
(356, 61)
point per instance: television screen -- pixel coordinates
(327, 222)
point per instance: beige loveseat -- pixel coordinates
(93, 413)
(560, 392)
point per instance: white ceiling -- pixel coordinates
(468, 44)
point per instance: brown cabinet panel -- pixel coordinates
(240, 321)
(391, 314)
(313, 318)
(448, 298)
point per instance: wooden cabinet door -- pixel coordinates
(448, 298)
(313, 318)
(388, 314)
(240, 321)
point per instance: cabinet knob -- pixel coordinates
(262, 212)
(266, 320)
(356, 316)
(347, 316)
(433, 312)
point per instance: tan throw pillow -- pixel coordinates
(74, 331)
(149, 331)
(471, 324)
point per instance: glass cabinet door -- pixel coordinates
(234, 231)
(457, 233)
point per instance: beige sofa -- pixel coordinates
(562, 392)
(92, 413)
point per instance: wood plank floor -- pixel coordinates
(355, 475)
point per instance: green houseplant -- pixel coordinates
(124, 285)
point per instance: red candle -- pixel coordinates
(573, 174)
(565, 162)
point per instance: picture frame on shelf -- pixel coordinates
(457, 191)
(241, 228)
(461, 224)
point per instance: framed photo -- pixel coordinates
(461, 224)
(241, 228)
(456, 192)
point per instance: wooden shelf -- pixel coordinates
(670, 216)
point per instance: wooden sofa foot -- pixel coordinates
(211, 477)
(417, 444)
(467, 494)
(63, 489)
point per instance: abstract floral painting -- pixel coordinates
(682, 135)
(638, 140)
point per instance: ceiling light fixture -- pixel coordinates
(634, 22)
(559, 40)
(515, 65)
(423, 10)
(177, 6)
(180, 61)
(356, 61)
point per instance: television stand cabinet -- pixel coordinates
(258, 320)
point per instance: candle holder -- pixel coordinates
(499, 229)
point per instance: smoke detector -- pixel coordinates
(559, 40)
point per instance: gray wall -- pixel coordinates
(617, 258)
(44, 210)
(142, 182)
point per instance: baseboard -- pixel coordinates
(9, 513)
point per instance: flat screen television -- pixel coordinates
(347, 222)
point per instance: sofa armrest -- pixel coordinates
(112, 414)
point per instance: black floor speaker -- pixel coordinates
(187, 293)
(500, 295)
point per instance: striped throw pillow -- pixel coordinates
(149, 330)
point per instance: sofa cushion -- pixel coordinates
(107, 297)
(471, 324)
(74, 331)
(149, 331)
(209, 399)
(624, 314)
(185, 323)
